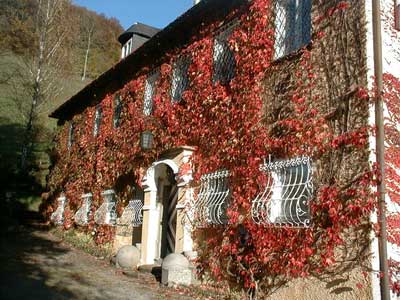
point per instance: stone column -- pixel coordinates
(151, 220)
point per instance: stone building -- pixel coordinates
(125, 158)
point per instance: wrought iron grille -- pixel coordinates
(285, 199)
(180, 78)
(106, 214)
(212, 199)
(149, 91)
(82, 215)
(97, 120)
(224, 62)
(70, 135)
(117, 111)
(57, 217)
(132, 215)
(292, 26)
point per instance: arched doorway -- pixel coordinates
(167, 190)
(165, 193)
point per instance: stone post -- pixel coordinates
(58, 215)
(82, 215)
(106, 214)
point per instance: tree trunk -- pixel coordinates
(90, 33)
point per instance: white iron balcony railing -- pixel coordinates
(106, 214)
(212, 199)
(285, 199)
(57, 217)
(82, 215)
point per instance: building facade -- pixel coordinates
(239, 133)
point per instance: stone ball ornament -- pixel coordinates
(128, 257)
(175, 261)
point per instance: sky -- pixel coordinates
(157, 13)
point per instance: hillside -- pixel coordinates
(81, 45)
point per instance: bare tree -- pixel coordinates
(44, 66)
(89, 25)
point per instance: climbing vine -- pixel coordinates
(312, 102)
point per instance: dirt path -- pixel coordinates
(35, 265)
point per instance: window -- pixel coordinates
(212, 199)
(224, 63)
(117, 111)
(180, 78)
(127, 48)
(70, 135)
(97, 120)
(132, 215)
(285, 199)
(149, 92)
(292, 26)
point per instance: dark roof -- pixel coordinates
(177, 34)
(137, 28)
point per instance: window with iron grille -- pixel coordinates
(133, 212)
(97, 120)
(224, 62)
(149, 91)
(292, 26)
(180, 78)
(285, 199)
(117, 111)
(212, 199)
(70, 135)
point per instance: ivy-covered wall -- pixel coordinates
(312, 102)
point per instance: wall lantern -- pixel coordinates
(146, 140)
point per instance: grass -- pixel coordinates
(83, 241)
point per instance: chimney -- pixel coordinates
(196, 2)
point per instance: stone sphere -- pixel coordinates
(175, 261)
(128, 257)
(191, 255)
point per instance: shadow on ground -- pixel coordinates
(21, 276)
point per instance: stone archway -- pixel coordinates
(163, 231)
